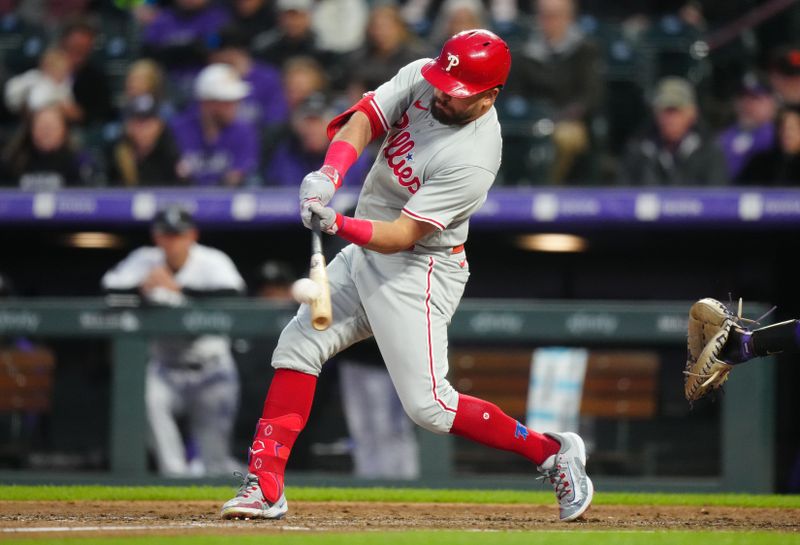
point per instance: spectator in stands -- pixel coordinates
(194, 378)
(217, 148)
(144, 77)
(303, 77)
(678, 151)
(145, 12)
(560, 67)
(784, 74)
(89, 82)
(306, 145)
(754, 128)
(51, 14)
(40, 157)
(49, 84)
(146, 154)
(390, 46)
(265, 105)
(781, 164)
(503, 14)
(179, 38)
(253, 18)
(340, 24)
(292, 37)
(455, 16)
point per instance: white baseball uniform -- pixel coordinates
(436, 173)
(191, 376)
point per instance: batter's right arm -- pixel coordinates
(386, 237)
(356, 131)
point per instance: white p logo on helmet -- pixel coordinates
(452, 60)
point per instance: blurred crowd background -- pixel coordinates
(238, 92)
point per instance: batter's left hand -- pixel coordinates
(327, 217)
(318, 186)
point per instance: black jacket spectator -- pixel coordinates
(389, 47)
(157, 168)
(89, 82)
(292, 37)
(567, 78)
(677, 151)
(772, 168)
(559, 69)
(253, 18)
(39, 157)
(781, 164)
(697, 160)
(146, 154)
(92, 93)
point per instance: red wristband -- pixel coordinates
(341, 155)
(354, 230)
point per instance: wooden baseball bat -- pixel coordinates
(321, 313)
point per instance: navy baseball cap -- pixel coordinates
(173, 220)
(753, 83)
(142, 106)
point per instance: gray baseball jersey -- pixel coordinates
(435, 173)
(431, 172)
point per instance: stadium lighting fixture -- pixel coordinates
(93, 239)
(552, 242)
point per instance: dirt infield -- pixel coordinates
(112, 518)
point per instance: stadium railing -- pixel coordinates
(747, 409)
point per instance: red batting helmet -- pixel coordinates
(471, 62)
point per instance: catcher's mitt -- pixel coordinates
(710, 325)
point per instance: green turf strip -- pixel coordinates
(446, 538)
(220, 494)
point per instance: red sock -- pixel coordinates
(485, 423)
(285, 413)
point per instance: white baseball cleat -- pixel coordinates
(250, 502)
(566, 471)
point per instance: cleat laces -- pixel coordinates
(558, 479)
(248, 486)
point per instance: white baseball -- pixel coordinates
(305, 290)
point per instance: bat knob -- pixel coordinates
(321, 323)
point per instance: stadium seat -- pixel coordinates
(673, 48)
(117, 46)
(20, 44)
(528, 149)
(26, 386)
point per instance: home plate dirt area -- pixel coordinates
(100, 518)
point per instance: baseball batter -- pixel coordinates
(403, 275)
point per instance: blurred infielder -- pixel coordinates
(194, 377)
(403, 276)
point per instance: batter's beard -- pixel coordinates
(447, 119)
